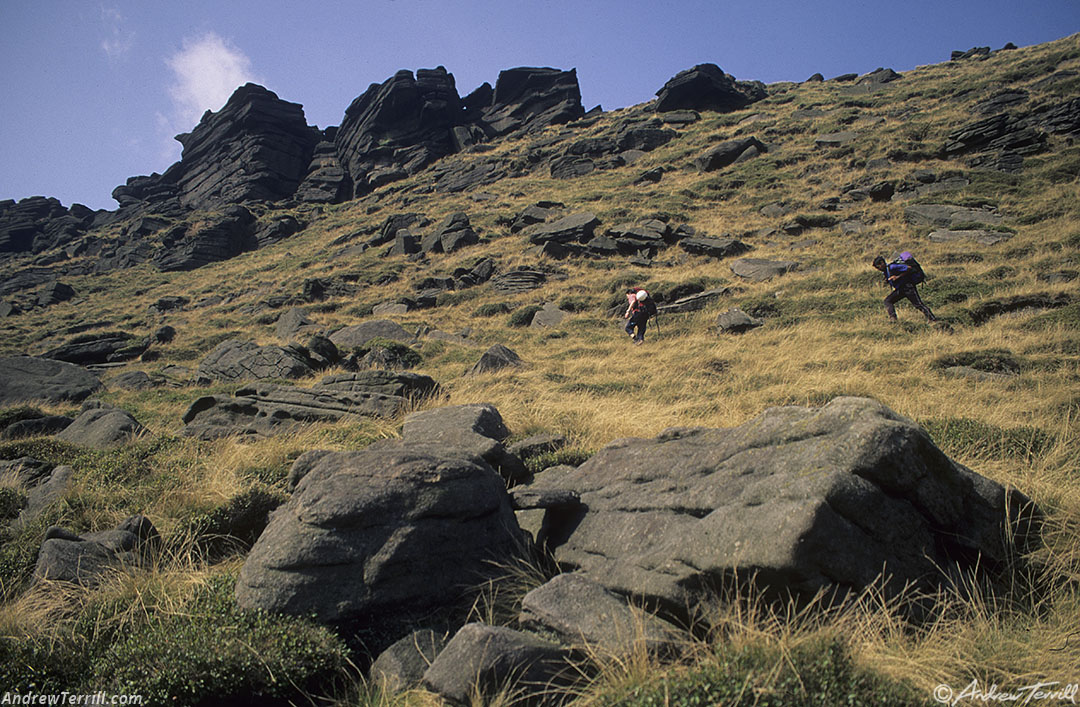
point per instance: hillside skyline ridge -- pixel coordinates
(100, 92)
(415, 70)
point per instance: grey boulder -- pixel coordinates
(480, 660)
(355, 336)
(237, 360)
(67, 557)
(595, 621)
(797, 499)
(474, 431)
(102, 428)
(27, 378)
(759, 270)
(379, 535)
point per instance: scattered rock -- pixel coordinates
(43, 426)
(494, 359)
(549, 316)
(384, 382)
(453, 233)
(163, 335)
(978, 236)
(836, 139)
(293, 322)
(713, 247)
(55, 292)
(27, 378)
(172, 303)
(694, 302)
(44, 492)
(473, 431)
(237, 360)
(111, 347)
(976, 374)
(728, 153)
(265, 410)
(537, 445)
(986, 311)
(948, 216)
(758, 270)
(487, 659)
(736, 321)
(102, 428)
(67, 557)
(219, 237)
(401, 666)
(521, 280)
(132, 380)
(576, 228)
(707, 87)
(357, 335)
(595, 621)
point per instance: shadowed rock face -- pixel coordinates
(257, 147)
(38, 223)
(801, 499)
(707, 87)
(399, 127)
(533, 98)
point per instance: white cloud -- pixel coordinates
(118, 39)
(206, 70)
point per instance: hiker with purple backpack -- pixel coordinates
(903, 274)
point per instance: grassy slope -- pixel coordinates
(828, 337)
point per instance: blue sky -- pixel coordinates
(93, 92)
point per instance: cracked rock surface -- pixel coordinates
(798, 499)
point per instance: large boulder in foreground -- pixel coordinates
(474, 431)
(28, 378)
(381, 535)
(798, 499)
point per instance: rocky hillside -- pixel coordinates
(357, 401)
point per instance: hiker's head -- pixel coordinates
(879, 263)
(641, 295)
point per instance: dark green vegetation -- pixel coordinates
(207, 650)
(818, 673)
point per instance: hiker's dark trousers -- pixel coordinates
(638, 319)
(907, 290)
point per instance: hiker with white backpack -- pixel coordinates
(639, 307)
(903, 274)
